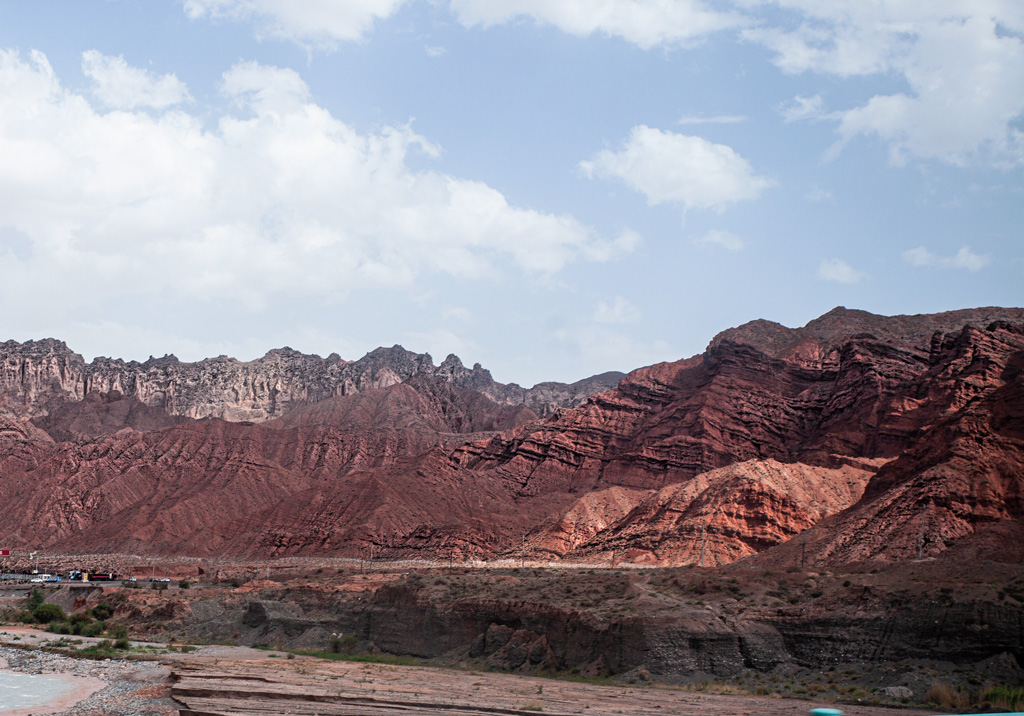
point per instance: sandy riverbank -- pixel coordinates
(65, 690)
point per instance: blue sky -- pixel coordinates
(549, 189)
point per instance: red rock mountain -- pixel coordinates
(825, 444)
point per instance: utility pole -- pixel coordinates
(522, 560)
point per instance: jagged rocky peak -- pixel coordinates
(35, 374)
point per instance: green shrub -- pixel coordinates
(94, 629)
(184, 584)
(1007, 697)
(102, 611)
(59, 627)
(46, 613)
(123, 644)
(80, 618)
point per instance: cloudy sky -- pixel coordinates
(549, 188)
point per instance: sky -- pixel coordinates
(550, 188)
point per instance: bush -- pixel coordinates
(46, 613)
(102, 611)
(948, 697)
(59, 627)
(184, 584)
(94, 629)
(1010, 698)
(158, 585)
(123, 644)
(80, 618)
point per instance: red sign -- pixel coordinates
(5, 553)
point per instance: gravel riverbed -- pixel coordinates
(132, 688)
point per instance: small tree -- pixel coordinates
(35, 598)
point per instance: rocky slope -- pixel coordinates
(820, 396)
(716, 518)
(825, 443)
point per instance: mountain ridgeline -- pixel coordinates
(37, 374)
(855, 437)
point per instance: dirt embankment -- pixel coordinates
(874, 632)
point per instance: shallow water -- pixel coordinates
(19, 691)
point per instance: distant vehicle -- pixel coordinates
(132, 579)
(41, 578)
(102, 576)
(55, 578)
(160, 579)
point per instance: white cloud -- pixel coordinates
(618, 311)
(962, 61)
(267, 90)
(645, 23)
(803, 108)
(434, 51)
(816, 193)
(457, 314)
(963, 259)
(691, 119)
(120, 86)
(678, 168)
(280, 199)
(839, 271)
(320, 23)
(725, 239)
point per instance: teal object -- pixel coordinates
(826, 712)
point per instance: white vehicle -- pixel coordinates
(41, 578)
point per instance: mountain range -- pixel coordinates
(854, 437)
